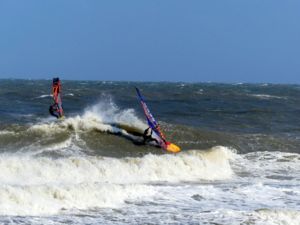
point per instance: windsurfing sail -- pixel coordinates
(57, 108)
(150, 119)
(156, 128)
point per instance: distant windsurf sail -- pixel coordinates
(150, 119)
(56, 92)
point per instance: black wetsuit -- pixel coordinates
(148, 137)
(53, 110)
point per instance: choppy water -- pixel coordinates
(240, 162)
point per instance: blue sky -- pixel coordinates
(151, 40)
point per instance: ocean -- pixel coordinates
(239, 164)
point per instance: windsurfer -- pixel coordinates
(56, 108)
(148, 136)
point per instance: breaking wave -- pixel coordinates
(104, 116)
(41, 185)
(49, 134)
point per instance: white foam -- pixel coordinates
(53, 199)
(42, 186)
(264, 85)
(199, 92)
(265, 96)
(6, 132)
(277, 216)
(44, 96)
(268, 164)
(239, 83)
(108, 112)
(187, 166)
(101, 117)
(66, 148)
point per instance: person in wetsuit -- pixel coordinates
(147, 136)
(56, 108)
(53, 110)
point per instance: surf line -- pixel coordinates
(154, 126)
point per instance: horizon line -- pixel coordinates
(149, 81)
